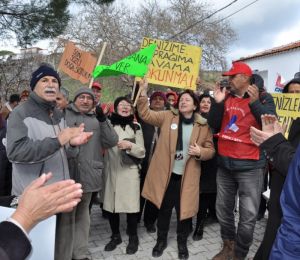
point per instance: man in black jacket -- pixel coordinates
(276, 147)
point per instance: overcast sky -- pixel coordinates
(263, 25)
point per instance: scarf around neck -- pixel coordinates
(188, 121)
(122, 121)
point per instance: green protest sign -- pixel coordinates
(135, 65)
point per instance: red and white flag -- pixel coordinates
(279, 83)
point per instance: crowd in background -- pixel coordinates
(207, 155)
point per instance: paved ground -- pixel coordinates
(198, 250)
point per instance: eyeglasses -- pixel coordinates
(87, 97)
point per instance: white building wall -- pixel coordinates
(285, 63)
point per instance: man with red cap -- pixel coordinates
(97, 88)
(240, 163)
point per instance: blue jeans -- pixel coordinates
(248, 185)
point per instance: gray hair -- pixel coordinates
(65, 92)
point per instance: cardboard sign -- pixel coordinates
(76, 63)
(287, 108)
(42, 236)
(174, 64)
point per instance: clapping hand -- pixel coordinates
(40, 201)
(270, 127)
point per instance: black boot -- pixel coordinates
(159, 247)
(150, 228)
(133, 245)
(114, 241)
(183, 252)
(198, 234)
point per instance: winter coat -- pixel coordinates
(86, 167)
(161, 165)
(32, 143)
(286, 244)
(279, 153)
(122, 182)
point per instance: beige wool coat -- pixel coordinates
(122, 182)
(161, 165)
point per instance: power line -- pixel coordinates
(237, 11)
(194, 24)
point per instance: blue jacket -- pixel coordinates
(287, 242)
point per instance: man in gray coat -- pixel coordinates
(86, 167)
(37, 141)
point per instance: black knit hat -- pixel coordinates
(41, 72)
(119, 99)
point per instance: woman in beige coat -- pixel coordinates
(173, 176)
(122, 182)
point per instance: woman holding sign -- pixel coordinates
(174, 172)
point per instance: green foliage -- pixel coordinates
(4, 52)
(32, 20)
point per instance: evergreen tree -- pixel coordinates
(33, 20)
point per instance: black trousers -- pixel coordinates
(207, 202)
(114, 222)
(5, 175)
(172, 199)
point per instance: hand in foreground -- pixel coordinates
(270, 127)
(39, 202)
(219, 93)
(124, 145)
(194, 150)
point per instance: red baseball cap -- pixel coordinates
(97, 85)
(238, 68)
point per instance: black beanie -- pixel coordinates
(41, 72)
(119, 99)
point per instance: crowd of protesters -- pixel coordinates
(206, 155)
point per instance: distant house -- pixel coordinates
(276, 65)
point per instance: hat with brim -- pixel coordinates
(238, 68)
(97, 85)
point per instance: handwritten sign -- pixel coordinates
(76, 63)
(135, 64)
(174, 64)
(287, 108)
